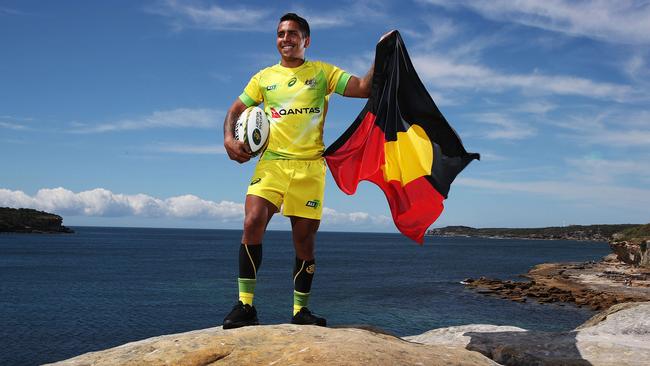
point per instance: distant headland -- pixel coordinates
(571, 232)
(26, 220)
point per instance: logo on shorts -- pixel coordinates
(256, 180)
(313, 204)
(311, 269)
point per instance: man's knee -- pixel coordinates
(255, 222)
(304, 239)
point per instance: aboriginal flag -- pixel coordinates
(401, 142)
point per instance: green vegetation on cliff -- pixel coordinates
(25, 220)
(572, 232)
(640, 232)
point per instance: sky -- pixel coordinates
(111, 113)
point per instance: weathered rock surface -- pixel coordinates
(619, 336)
(631, 245)
(634, 252)
(455, 336)
(280, 345)
(25, 220)
(597, 285)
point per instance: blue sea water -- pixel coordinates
(64, 295)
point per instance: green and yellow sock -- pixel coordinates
(250, 258)
(303, 274)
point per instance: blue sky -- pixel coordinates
(111, 113)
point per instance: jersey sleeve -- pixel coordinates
(252, 94)
(337, 79)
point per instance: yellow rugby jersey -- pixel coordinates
(295, 101)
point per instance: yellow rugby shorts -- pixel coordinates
(296, 186)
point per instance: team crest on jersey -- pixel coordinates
(311, 83)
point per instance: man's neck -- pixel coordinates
(292, 62)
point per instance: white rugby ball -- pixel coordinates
(252, 127)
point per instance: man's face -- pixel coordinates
(290, 41)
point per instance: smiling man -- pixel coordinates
(290, 175)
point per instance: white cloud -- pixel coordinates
(443, 72)
(10, 11)
(104, 203)
(505, 128)
(192, 149)
(488, 156)
(101, 202)
(333, 217)
(635, 66)
(596, 194)
(182, 117)
(15, 123)
(536, 107)
(623, 21)
(609, 171)
(184, 14)
(632, 137)
(13, 126)
(612, 127)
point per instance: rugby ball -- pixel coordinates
(252, 127)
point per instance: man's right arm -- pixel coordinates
(237, 150)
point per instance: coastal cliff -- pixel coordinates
(571, 232)
(631, 246)
(25, 220)
(615, 337)
(621, 277)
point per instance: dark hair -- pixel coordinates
(302, 23)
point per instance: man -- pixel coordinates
(291, 171)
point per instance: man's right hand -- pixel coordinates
(237, 150)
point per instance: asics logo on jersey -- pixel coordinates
(292, 82)
(277, 113)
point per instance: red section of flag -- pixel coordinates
(414, 206)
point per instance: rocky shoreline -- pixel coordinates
(25, 220)
(597, 285)
(623, 276)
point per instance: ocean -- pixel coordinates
(67, 294)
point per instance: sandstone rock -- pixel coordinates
(279, 345)
(455, 336)
(632, 252)
(619, 336)
(596, 285)
(612, 257)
